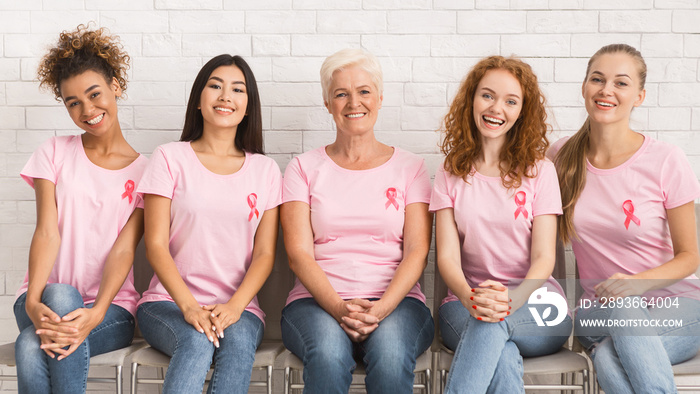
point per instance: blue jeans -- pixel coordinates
(489, 356)
(638, 360)
(389, 352)
(164, 327)
(39, 373)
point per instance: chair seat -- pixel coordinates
(690, 367)
(264, 356)
(563, 361)
(7, 354)
(117, 357)
(289, 359)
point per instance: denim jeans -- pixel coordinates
(489, 356)
(389, 353)
(638, 360)
(39, 373)
(164, 327)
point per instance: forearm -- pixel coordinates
(453, 276)
(164, 267)
(405, 278)
(114, 274)
(316, 282)
(258, 272)
(42, 255)
(679, 267)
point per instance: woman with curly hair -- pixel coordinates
(629, 215)
(497, 199)
(78, 299)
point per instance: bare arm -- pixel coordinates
(157, 236)
(681, 224)
(117, 266)
(223, 315)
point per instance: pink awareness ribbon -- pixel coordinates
(252, 202)
(128, 190)
(628, 208)
(520, 202)
(391, 196)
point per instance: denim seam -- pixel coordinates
(156, 317)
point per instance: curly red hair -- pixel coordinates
(526, 141)
(81, 50)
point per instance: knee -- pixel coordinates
(62, 298)
(27, 347)
(330, 358)
(604, 355)
(193, 342)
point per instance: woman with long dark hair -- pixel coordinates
(211, 229)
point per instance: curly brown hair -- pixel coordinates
(81, 50)
(526, 141)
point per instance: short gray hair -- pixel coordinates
(347, 58)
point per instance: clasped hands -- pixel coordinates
(359, 317)
(62, 335)
(212, 320)
(489, 302)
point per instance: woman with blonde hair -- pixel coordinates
(496, 201)
(78, 299)
(357, 232)
(629, 215)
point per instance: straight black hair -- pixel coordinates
(249, 133)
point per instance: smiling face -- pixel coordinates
(224, 100)
(497, 104)
(612, 89)
(354, 101)
(91, 102)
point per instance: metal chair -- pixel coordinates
(567, 363)
(271, 301)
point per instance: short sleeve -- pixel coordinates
(41, 164)
(296, 185)
(275, 186)
(418, 189)
(440, 198)
(157, 178)
(555, 148)
(548, 196)
(678, 181)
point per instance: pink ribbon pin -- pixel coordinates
(128, 190)
(628, 208)
(391, 196)
(520, 202)
(252, 202)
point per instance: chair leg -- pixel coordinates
(269, 379)
(586, 382)
(428, 382)
(120, 388)
(134, 372)
(287, 381)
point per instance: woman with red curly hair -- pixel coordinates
(497, 199)
(78, 298)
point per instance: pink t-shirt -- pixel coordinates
(621, 215)
(495, 223)
(357, 218)
(93, 205)
(213, 219)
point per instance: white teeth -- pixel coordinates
(493, 120)
(222, 109)
(355, 115)
(604, 104)
(95, 120)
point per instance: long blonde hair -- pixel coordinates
(571, 159)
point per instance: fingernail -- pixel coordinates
(510, 307)
(471, 298)
(473, 291)
(201, 331)
(222, 335)
(510, 300)
(595, 295)
(508, 313)
(502, 319)
(474, 306)
(210, 339)
(478, 318)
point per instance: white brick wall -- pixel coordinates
(425, 46)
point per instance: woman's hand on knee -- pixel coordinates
(620, 285)
(199, 318)
(222, 316)
(355, 319)
(488, 302)
(75, 328)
